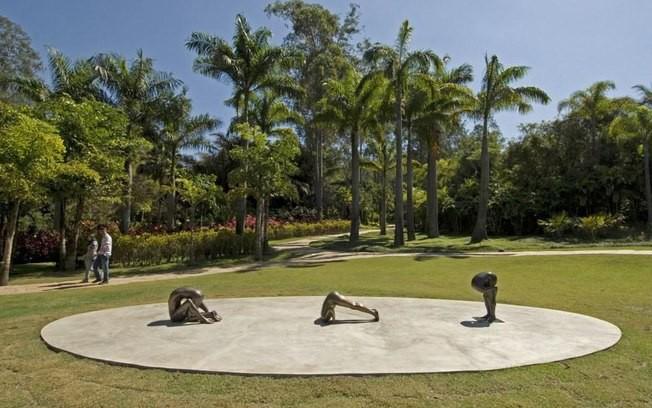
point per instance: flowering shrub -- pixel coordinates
(153, 246)
(38, 246)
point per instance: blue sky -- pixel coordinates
(568, 43)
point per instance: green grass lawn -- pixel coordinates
(448, 243)
(614, 288)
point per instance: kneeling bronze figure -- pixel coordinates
(485, 283)
(187, 305)
(335, 299)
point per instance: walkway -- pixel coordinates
(301, 253)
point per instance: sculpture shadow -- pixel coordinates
(170, 323)
(478, 323)
(322, 323)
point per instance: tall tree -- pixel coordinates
(250, 65)
(448, 98)
(351, 102)
(181, 130)
(590, 106)
(497, 95)
(321, 44)
(17, 59)
(636, 123)
(29, 155)
(267, 170)
(136, 87)
(398, 65)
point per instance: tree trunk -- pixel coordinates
(9, 242)
(411, 235)
(71, 259)
(319, 174)
(354, 234)
(126, 210)
(399, 239)
(383, 194)
(480, 230)
(260, 209)
(432, 207)
(172, 198)
(61, 229)
(648, 186)
(241, 212)
(265, 225)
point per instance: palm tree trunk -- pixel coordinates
(172, 198)
(260, 209)
(319, 174)
(61, 229)
(411, 235)
(399, 239)
(648, 186)
(432, 207)
(241, 212)
(8, 247)
(355, 187)
(480, 230)
(71, 259)
(383, 195)
(126, 210)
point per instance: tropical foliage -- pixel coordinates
(327, 125)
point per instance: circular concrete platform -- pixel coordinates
(281, 336)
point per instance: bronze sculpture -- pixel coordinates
(187, 305)
(485, 283)
(335, 299)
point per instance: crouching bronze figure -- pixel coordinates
(187, 305)
(335, 299)
(485, 283)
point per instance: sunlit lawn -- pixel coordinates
(455, 243)
(614, 288)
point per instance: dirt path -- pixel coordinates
(303, 254)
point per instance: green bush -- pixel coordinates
(599, 224)
(558, 225)
(155, 249)
(302, 229)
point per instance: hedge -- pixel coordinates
(154, 249)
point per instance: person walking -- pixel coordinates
(103, 255)
(89, 258)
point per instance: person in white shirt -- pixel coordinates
(103, 255)
(89, 257)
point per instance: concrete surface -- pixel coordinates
(280, 336)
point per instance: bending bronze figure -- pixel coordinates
(187, 305)
(485, 283)
(335, 299)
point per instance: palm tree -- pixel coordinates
(271, 114)
(636, 122)
(351, 102)
(590, 106)
(448, 99)
(135, 87)
(398, 65)
(250, 65)
(416, 99)
(381, 148)
(182, 131)
(497, 95)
